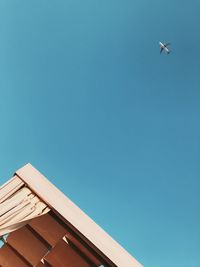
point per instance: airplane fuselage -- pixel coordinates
(164, 47)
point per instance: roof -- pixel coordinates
(61, 232)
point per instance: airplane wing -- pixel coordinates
(167, 44)
(161, 49)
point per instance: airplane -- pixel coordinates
(164, 47)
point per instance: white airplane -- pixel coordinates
(164, 47)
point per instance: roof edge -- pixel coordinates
(75, 216)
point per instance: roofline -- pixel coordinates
(76, 217)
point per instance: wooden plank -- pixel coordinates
(48, 228)
(27, 245)
(63, 255)
(81, 247)
(10, 188)
(8, 258)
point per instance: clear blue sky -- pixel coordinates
(86, 98)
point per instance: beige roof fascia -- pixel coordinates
(76, 217)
